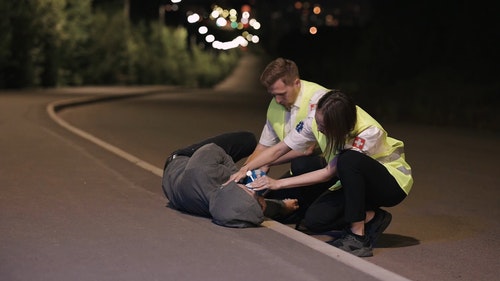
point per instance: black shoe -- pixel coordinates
(354, 244)
(377, 225)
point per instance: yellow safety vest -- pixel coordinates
(393, 157)
(276, 112)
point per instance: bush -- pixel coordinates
(63, 42)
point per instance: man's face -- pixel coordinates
(285, 94)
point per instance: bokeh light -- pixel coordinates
(229, 20)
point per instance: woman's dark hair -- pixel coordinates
(339, 118)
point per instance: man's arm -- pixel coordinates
(292, 154)
(287, 157)
(258, 149)
(264, 158)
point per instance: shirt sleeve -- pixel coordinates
(302, 136)
(370, 141)
(268, 137)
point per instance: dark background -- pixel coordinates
(392, 39)
(434, 62)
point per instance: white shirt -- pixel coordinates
(269, 137)
(370, 141)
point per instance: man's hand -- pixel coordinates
(236, 177)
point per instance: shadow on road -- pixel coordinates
(388, 240)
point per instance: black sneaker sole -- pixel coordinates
(359, 252)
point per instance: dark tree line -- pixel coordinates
(47, 43)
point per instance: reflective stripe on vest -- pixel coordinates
(393, 157)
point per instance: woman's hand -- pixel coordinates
(264, 182)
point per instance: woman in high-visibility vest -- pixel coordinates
(370, 166)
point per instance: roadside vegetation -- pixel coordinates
(51, 43)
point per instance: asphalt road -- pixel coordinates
(76, 208)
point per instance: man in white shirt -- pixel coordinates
(293, 100)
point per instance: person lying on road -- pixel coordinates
(193, 180)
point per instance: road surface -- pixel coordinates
(81, 199)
